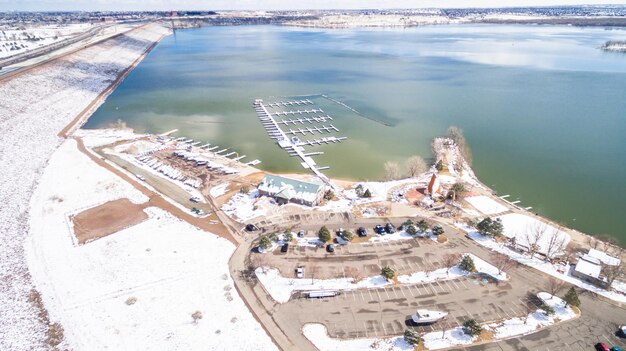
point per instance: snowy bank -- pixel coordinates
(138, 288)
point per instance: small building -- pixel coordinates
(285, 190)
(434, 186)
(589, 267)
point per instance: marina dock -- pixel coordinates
(289, 140)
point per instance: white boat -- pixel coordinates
(426, 316)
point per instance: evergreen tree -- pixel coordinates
(265, 243)
(411, 337)
(387, 272)
(467, 264)
(367, 193)
(571, 298)
(471, 327)
(324, 234)
(437, 229)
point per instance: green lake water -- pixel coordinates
(543, 108)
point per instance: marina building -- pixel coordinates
(285, 190)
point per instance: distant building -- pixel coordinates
(285, 190)
(589, 267)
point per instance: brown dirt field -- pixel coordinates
(106, 219)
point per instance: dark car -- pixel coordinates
(389, 228)
(361, 232)
(602, 347)
(379, 229)
(284, 248)
(330, 248)
(301, 234)
(251, 227)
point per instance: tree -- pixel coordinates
(367, 193)
(490, 227)
(456, 191)
(411, 229)
(422, 226)
(288, 237)
(407, 223)
(571, 298)
(244, 189)
(533, 237)
(411, 337)
(265, 242)
(354, 273)
(555, 286)
(529, 307)
(502, 262)
(392, 170)
(456, 134)
(274, 237)
(555, 243)
(347, 235)
(612, 272)
(329, 195)
(471, 327)
(467, 264)
(547, 309)
(359, 190)
(196, 316)
(416, 165)
(449, 260)
(439, 166)
(324, 234)
(437, 229)
(388, 272)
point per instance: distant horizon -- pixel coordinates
(279, 5)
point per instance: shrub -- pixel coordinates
(359, 190)
(439, 166)
(329, 195)
(347, 235)
(467, 264)
(422, 226)
(411, 337)
(411, 229)
(131, 300)
(244, 189)
(471, 327)
(437, 230)
(274, 237)
(196, 316)
(324, 234)
(547, 309)
(387, 272)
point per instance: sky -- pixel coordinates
(103, 5)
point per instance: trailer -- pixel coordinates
(318, 294)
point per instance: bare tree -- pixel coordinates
(354, 273)
(593, 242)
(259, 261)
(456, 134)
(556, 243)
(392, 170)
(529, 307)
(450, 259)
(416, 165)
(313, 268)
(555, 286)
(571, 249)
(533, 237)
(612, 272)
(502, 262)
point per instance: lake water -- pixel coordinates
(543, 108)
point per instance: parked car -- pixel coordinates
(341, 241)
(340, 232)
(251, 227)
(389, 228)
(194, 199)
(140, 177)
(616, 348)
(301, 234)
(379, 229)
(285, 247)
(602, 347)
(361, 232)
(299, 272)
(622, 331)
(260, 249)
(330, 248)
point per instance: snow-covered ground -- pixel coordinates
(281, 288)
(99, 137)
(243, 206)
(219, 190)
(136, 289)
(523, 228)
(35, 107)
(15, 41)
(540, 264)
(318, 334)
(486, 205)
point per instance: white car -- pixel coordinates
(299, 272)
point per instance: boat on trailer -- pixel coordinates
(427, 317)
